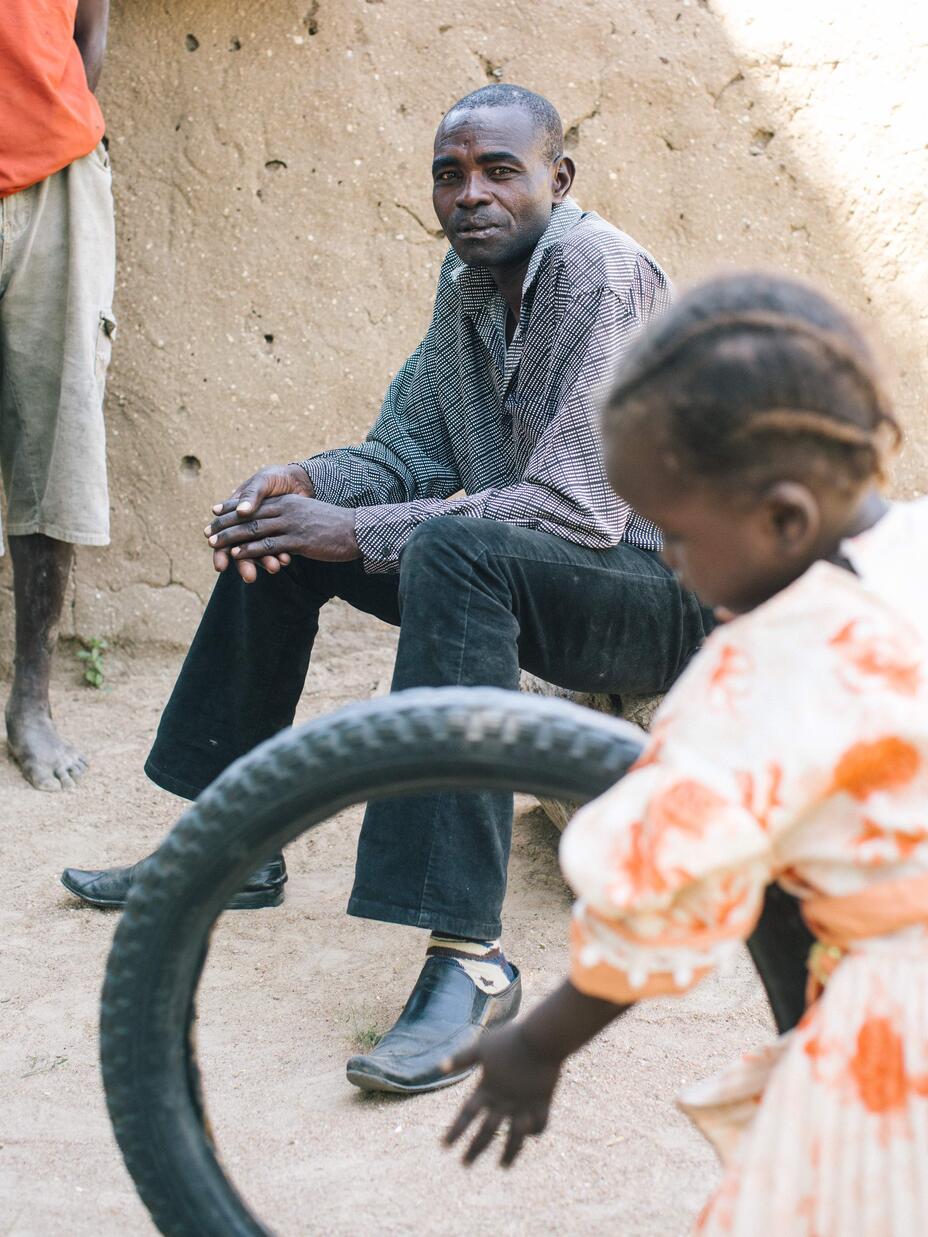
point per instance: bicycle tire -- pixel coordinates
(420, 740)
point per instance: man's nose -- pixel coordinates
(474, 191)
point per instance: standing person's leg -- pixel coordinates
(56, 324)
(479, 599)
(41, 569)
(239, 684)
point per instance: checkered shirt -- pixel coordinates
(516, 428)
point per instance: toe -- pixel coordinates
(66, 781)
(41, 777)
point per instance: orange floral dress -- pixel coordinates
(794, 749)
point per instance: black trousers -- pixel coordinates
(475, 600)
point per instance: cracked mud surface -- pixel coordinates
(287, 993)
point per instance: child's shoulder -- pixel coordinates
(874, 618)
(901, 533)
(786, 641)
(884, 583)
(802, 615)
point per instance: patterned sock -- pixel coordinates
(484, 961)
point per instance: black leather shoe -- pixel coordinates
(444, 1013)
(109, 887)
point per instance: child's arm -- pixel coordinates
(521, 1064)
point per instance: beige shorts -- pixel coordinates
(57, 270)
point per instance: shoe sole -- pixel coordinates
(374, 1082)
(241, 902)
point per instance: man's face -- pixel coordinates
(493, 188)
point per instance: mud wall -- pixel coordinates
(278, 253)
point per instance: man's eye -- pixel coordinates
(445, 176)
(498, 172)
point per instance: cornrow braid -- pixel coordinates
(865, 451)
(776, 324)
(752, 372)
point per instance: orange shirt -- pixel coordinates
(48, 114)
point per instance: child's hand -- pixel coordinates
(516, 1085)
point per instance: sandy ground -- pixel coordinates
(287, 995)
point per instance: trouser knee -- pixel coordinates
(444, 548)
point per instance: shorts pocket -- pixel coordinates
(102, 155)
(106, 332)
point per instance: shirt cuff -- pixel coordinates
(328, 484)
(382, 532)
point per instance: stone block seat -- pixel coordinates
(637, 709)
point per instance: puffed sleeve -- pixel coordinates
(670, 865)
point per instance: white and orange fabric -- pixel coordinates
(795, 749)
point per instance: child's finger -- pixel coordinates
(484, 1136)
(519, 1128)
(461, 1060)
(468, 1112)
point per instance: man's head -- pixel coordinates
(497, 171)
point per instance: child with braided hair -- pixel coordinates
(750, 426)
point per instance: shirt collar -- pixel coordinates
(475, 284)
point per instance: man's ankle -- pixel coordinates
(483, 961)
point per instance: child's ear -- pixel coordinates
(794, 516)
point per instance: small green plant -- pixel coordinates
(92, 655)
(365, 1036)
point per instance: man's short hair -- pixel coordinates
(544, 114)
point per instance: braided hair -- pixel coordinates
(751, 375)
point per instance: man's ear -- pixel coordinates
(794, 517)
(563, 172)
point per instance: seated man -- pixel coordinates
(538, 565)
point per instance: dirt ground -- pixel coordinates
(287, 995)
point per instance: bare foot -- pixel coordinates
(46, 761)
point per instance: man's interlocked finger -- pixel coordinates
(253, 533)
(252, 494)
(232, 519)
(258, 549)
